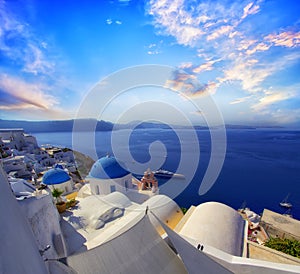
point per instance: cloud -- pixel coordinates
(219, 32)
(109, 21)
(171, 17)
(29, 100)
(228, 31)
(285, 116)
(258, 47)
(270, 98)
(18, 94)
(287, 39)
(240, 100)
(245, 44)
(205, 67)
(186, 65)
(35, 61)
(251, 8)
(273, 104)
(19, 44)
(245, 72)
(192, 69)
(189, 23)
(153, 52)
(252, 73)
(154, 49)
(31, 68)
(188, 85)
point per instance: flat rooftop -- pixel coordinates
(281, 222)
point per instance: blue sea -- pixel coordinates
(261, 166)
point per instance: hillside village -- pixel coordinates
(113, 222)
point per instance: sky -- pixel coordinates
(244, 54)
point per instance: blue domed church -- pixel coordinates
(58, 178)
(107, 176)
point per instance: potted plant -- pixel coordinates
(60, 204)
(71, 203)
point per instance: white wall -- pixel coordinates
(217, 225)
(44, 220)
(165, 209)
(66, 187)
(18, 248)
(14, 163)
(103, 186)
(31, 140)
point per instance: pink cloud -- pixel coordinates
(270, 98)
(186, 65)
(250, 9)
(204, 67)
(219, 32)
(188, 85)
(286, 39)
(258, 47)
(246, 43)
(26, 94)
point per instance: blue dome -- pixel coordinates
(55, 176)
(107, 168)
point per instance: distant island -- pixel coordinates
(87, 124)
(55, 125)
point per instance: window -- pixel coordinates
(112, 188)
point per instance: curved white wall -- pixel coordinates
(106, 186)
(217, 225)
(66, 187)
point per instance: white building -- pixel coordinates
(43, 158)
(217, 225)
(129, 242)
(13, 163)
(19, 250)
(59, 179)
(17, 139)
(20, 187)
(107, 176)
(110, 214)
(4, 148)
(16, 166)
(60, 154)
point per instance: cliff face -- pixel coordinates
(84, 163)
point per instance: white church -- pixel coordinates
(107, 176)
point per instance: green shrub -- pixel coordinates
(184, 210)
(56, 193)
(291, 247)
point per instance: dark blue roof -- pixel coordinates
(107, 168)
(55, 176)
(58, 166)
